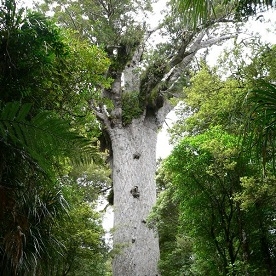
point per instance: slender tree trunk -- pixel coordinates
(134, 159)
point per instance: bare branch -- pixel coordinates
(101, 113)
(186, 54)
(183, 57)
(211, 41)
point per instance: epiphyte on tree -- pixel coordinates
(134, 191)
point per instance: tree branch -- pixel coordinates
(163, 112)
(215, 40)
(186, 54)
(101, 113)
(186, 40)
(132, 78)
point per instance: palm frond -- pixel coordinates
(261, 132)
(195, 10)
(263, 101)
(199, 11)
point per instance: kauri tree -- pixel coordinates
(134, 107)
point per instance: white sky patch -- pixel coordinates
(107, 218)
(264, 27)
(163, 147)
(156, 16)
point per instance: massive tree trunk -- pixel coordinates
(134, 155)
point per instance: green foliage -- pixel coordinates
(175, 249)
(261, 122)
(152, 76)
(261, 65)
(221, 177)
(125, 49)
(84, 251)
(150, 96)
(29, 48)
(256, 191)
(43, 138)
(30, 203)
(202, 11)
(208, 102)
(45, 64)
(258, 77)
(107, 18)
(93, 176)
(130, 107)
(46, 78)
(208, 188)
(203, 173)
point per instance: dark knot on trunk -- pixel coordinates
(134, 191)
(136, 155)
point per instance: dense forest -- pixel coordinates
(84, 90)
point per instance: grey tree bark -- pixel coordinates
(135, 194)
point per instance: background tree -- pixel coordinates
(204, 219)
(175, 248)
(209, 214)
(37, 139)
(209, 101)
(215, 130)
(80, 232)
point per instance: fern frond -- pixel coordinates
(42, 137)
(262, 122)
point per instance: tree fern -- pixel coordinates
(31, 149)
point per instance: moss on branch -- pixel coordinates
(130, 107)
(151, 84)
